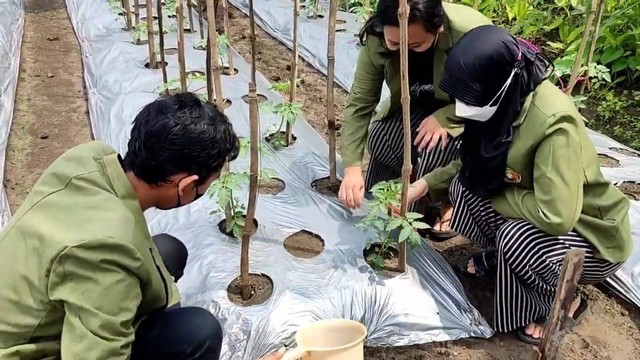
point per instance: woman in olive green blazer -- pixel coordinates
(433, 29)
(528, 183)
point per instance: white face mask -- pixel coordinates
(483, 113)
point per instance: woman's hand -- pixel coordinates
(276, 355)
(352, 189)
(429, 132)
(416, 191)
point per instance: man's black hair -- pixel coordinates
(429, 12)
(179, 134)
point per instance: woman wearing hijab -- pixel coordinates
(433, 29)
(528, 185)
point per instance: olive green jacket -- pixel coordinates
(555, 178)
(377, 64)
(78, 269)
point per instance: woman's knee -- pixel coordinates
(173, 252)
(512, 237)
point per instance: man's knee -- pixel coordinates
(173, 252)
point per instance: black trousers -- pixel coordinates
(177, 333)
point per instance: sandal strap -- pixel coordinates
(486, 261)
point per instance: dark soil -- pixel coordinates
(271, 136)
(221, 227)
(390, 258)
(608, 161)
(261, 98)
(271, 186)
(227, 71)
(226, 103)
(261, 289)
(195, 72)
(324, 186)
(157, 65)
(304, 244)
(631, 189)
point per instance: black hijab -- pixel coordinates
(476, 69)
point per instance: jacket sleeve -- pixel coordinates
(555, 203)
(361, 104)
(100, 293)
(439, 180)
(446, 117)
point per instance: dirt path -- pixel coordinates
(50, 112)
(610, 331)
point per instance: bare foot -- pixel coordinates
(536, 331)
(445, 218)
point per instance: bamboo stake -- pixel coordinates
(209, 77)
(577, 64)
(190, 11)
(252, 39)
(161, 44)
(127, 14)
(331, 115)
(594, 41)
(200, 22)
(136, 11)
(403, 13)
(225, 9)
(294, 67)
(181, 58)
(214, 69)
(150, 31)
(567, 284)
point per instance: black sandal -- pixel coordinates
(441, 235)
(572, 321)
(485, 263)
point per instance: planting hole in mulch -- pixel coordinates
(261, 98)
(608, 161)
(341, 30)
(340, 21)
(277, 139)
(625, 151)
(195, 72)
(304, 244)
(318, 16)
(630, 189)
(261, 290)
(171, 51)
(171, 92)
(227, 71)
(325, 187)
(157, 65)
(390, 258)
(272, 186)
(144, 18)
(226, 103)
(221, 227)
(140, 42)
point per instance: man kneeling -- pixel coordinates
(80, 276)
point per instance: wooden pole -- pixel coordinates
(403, 14)
(161, 44)
(331, 114)
(209, 75)
(181, 58)
(127, 14)
(190, 12)
(594, 40)
(214, 69)
(252, 39)
(150, 31)
(227, 32)
(565, 294)
(200, 17)
(136, 11)
(294, 67)
(577, 64)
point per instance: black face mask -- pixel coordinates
(179, 202)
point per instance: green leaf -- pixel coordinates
(413, 215)
(611, 55)
(376, 261)
(419, 225)
(404, 234)
(237, 232)
(394, 224)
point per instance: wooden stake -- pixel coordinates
(190, 11)
(227, 32)
(200, 17)
(403, 14)
(567, 284)
(214, 69)
(150, 31)
(252, 39)
(594, 41)
(136, 11)
(331, 115)
(161, 44)
(294, 67)
(577, 64)
(209, 76)
(127, 14)
(181, 58)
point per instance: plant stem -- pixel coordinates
(151, 42)
(161, 40)
(127, 14)
(294, 66)
(227, 32)
(181, 58)
(403, 12)
(594, 41)
(331, 115)
(577, 64)
(214, 69)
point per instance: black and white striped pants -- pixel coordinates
(529, 260)
(385, 145)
